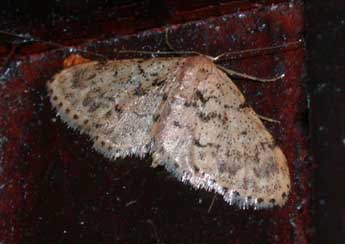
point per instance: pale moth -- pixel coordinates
(184, 111)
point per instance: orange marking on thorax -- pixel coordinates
(74, 59)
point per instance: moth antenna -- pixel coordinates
(234, 53)
(269, 119)
(167, 42)
(56, 44)
(256, 50)
(160, 52)
(249, 77)
(173, 52)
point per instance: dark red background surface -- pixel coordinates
(55, 189)
(326, 71)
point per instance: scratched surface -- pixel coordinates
(54, 188)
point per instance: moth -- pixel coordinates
(184, 111)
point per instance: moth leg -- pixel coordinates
(242, 75)
(212, 203)
(268, 119)
(167, 42)
(249, 77)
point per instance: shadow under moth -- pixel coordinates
(184, 111)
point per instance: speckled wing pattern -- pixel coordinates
(187, 113)
(113, 102)
(207, 135)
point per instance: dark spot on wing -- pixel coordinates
(244, 105)
(207, 117)
(91, 76)
(199, 95)
(267, 170)
(139, 91)
(118, 108)
(230, 167)
(77, 77)
(158, 82)
(221, 167)
(233, 168)
(188, 104)
(273, 201)
(225, 118)
(93, 107)
(155, 117)
(198, 144)
(177, 124)
(260, 200)
(164, 97)
(108, 114)
(141, 70)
